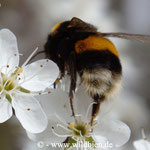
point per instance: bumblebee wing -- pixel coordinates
(135, 37)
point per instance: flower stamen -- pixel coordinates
(143, 133)
(59, 135)
(29, 58)
(59, 125)
(61, 120)
(21, 54)
(88, 110)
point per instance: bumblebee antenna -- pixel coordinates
(40, 52)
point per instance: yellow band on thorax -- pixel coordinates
(56, 27)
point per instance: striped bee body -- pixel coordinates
(78, 48)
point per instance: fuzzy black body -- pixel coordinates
(76, 48)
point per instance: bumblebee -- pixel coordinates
(79, 49)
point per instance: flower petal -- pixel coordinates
(30, 113)
(8, 50)
(82, 101)
(64, 84)
(57, 102)
(39, 75)
(5, 110)
(116, 132)
(48, 137)
(102, 142)
(142, 145)
(83, 104)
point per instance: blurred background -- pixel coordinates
(31, 21)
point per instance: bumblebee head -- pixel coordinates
(55, 41)
(60, 27)
(63, 36)
(74, 25)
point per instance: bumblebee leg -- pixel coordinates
(96, 107)
(71, 102)
(72, 71)
(55, 83)
(57, 80)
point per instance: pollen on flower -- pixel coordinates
(20, 70)
(71, 125)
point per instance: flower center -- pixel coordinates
(8, 83)
(80, 129)
(77, 132)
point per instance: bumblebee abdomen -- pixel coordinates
(94, 59)
(100, 85)
(100, 82)
(100, 72)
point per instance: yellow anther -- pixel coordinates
(20, 70)
(71, 125)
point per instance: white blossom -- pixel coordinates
(18, 85)
(142, 144)
(62, 125)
